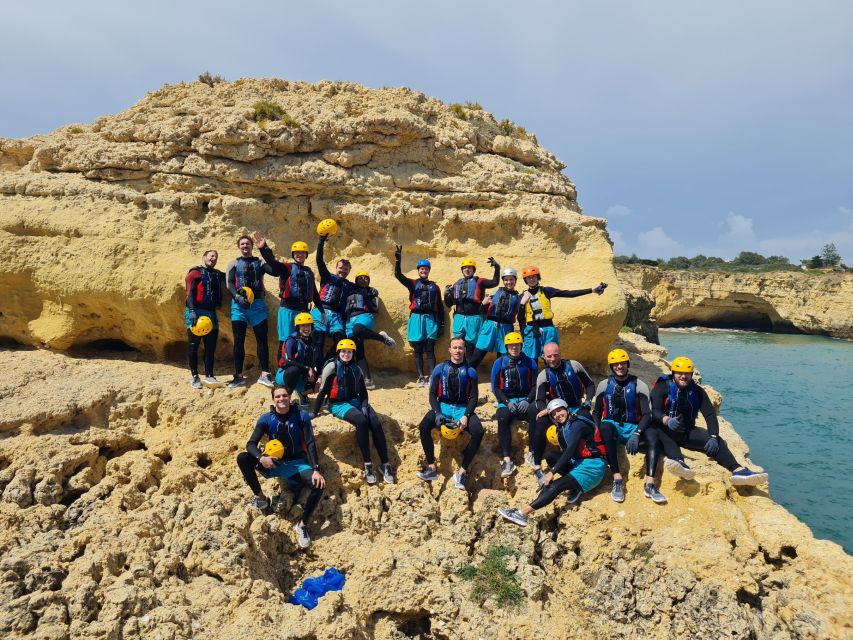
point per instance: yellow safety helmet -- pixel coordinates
(513, 337)
(346, 343)
(617, 355)
(682, 364)
(302, 318)
(450, 433)
(248, 294)
(299, 246)
(327, 227)
(274, 449)
(202, 326)
(551, 435)
(362, 273)
(468, 262)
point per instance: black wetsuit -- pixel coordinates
(471, 305)
(248, 272)
(362, 300)
(204, 291)
(333, 294)
(297, 357)
(426, 346)
(514, 378)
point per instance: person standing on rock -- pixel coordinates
(452, 398)
(245, 278)
(204, 297)
(536, 314)
(361, 309)
(342, 382)
(565, 380)
(299, 359)
(501, 316)
(676, 402)
(298, 464)
(623, 414)
(334, 289)
(426, 320)
(513, 385)
(467, 296)
(580, 462)
(296, 284)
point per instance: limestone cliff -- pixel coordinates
(778, 301)
(99, 223)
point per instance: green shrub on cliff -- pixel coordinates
(492, 579)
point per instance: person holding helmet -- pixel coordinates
(296, 284)
(342, 382)
(299, 359)
(559, 379)
(580, 462)
(361, 308)
(676, 402)
(536, 314)
(297, 463)
(452, 398)
(204, 297)
(623, 414)
(501, 315)
(467, 295)
(334, 289)
(426, 320)
(245, 279)
(513, 385)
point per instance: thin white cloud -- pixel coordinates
(739, 235)
(656, 243)
(616, 210)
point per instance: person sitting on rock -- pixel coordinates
(676, 401)
(245, 277)
(513, 385)
(298, 464)
(501, 315)
(342, 382)
(299, 359)
(361, 309)
(204, 297)
(559, 379)
(426, 320)
(334, 289)
(296, 283)
(467, 295)
(536, 314)
(452, 399)
(580, 462)
(623, 414)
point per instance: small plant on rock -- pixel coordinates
(210, 80)
(492, 579)
(459, 111)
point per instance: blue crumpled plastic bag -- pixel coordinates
(314, 588)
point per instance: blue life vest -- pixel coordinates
(631, 411)
(454, 382)
(288, 431)
(249, 273)
(340, 391)
(564, 383)
(299, 286)
(208, 293)
(587, 447)
(305, 353)
(694, 399)
(362, 300)
(504, 306)
(424, 297)
(467, 289)
(516, 377)
(333, 294)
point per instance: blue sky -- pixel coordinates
(693, 127)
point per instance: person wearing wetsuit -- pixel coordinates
(623, 414)
(296, 283)
(204, 297)
(334, 289)
(362, 305)
(559, 379)
(536, 314)
(580, 462)
(501, 315)
(299, 359)
(342, 382)
(513, 385)
(676, 402)
(426, 320)
(467, 295)
(247, 271)
(299, 465)
(452, 399)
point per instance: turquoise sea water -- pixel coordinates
(790, 398)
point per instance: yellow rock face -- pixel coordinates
(100, 223)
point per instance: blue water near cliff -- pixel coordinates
(790, 398)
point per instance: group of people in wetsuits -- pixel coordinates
(555, 401)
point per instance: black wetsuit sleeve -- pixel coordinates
(321, 262)
(488, 284)
(403, 280)
(551, 292)
(440, 315)
(707, 411)
(289, 353)
(324, 392)
(598, 409)
(500, 396)
(433, 394)
(589, 387)
(575, 435)
(257, 433)
(310, 444)
(473, 393)
(645, 410)
(362, 391)
(230, 279)
(193, 277)
(542, 390)
(658, 400)
(374, 301)
(315, 295)
(271, 265)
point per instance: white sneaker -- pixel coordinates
(196, 382)
(528, 458)
(259, 503)
(302, 537)
(387, 473)
(459, 479)
(369, 473)
(266, 380)
(369, 384)
(389, 341)
(679, 469)
(211, 381)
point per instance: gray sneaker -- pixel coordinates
(507, 468)
(460, 478)
(528, 458)
(211, 381)
(748, 478)
(266, 380)
(259, 503)
(428, 474)
(303, 399)
(389, 341)
(196, 382)
(302, 537)
(422, 382)
(513, 515)
(237, 382)
(540, 476)
(387, 473)
(651, 491)
(574, 497)
(618, 491)
(679, 468)
(369, 384)
(369, 473)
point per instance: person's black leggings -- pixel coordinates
(422, 347)
(260, 331)
(249, 466)
(611, 446)
(209, 351)
(540, 440)
(360, 333)
(505, 420)
(474, 428)
(293, 374)
(365, 425)
(558, 485)
(694, 440)
(477, 357)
